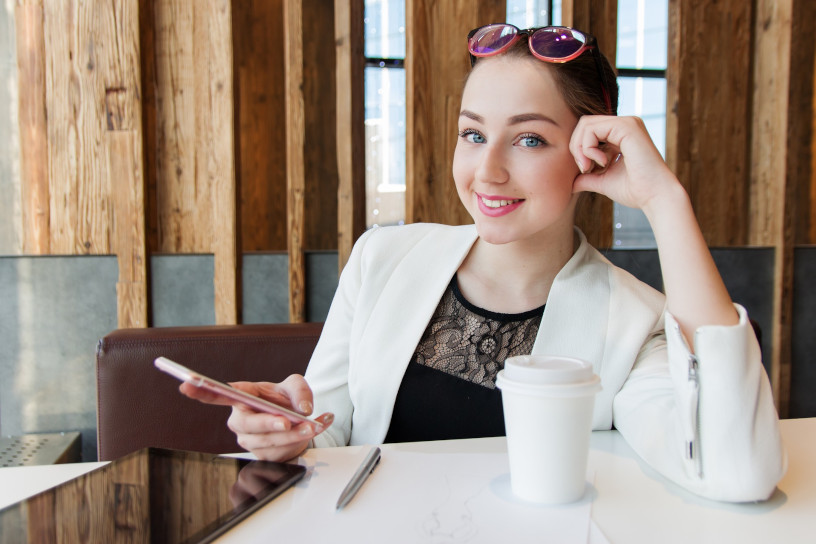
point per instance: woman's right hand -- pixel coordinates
(269, 437)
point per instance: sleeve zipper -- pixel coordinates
(692, 449)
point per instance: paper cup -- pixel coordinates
(548, 403)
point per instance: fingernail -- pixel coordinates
(305, 407)
(306, 431)
(580, 166)
(279, 426)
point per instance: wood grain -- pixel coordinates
(34, 190)
(348, 35)
(295, 171)
(124, 139)
(708, 112)
(77, 44)
(183, 201)
(215, 147)
(319, 116)
(260, 110)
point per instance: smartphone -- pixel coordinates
(256, 403)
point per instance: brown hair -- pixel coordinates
(577, 80)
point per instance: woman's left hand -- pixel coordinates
(618, 159)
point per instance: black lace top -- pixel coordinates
(449, 388)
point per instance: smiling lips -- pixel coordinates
(496, 206)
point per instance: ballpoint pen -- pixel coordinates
(362, 474)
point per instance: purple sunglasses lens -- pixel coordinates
(556, 43)
(491, 39)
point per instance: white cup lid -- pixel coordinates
(548, 370)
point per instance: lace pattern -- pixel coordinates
(472, 344)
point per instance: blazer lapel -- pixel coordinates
(576, 317)
(391, 337)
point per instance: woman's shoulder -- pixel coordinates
(396, 237)
(624, 284)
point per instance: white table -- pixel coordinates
(630, 503)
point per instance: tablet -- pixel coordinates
(151, 495)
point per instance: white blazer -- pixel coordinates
(705, 421)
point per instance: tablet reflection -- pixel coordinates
(152, 495)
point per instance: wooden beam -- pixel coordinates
(183, 202)
(295, 172)
(260, 110)
(76, 37)
(124, 137)
(33, 128)
(127, 179)
(708, 112)
(319, 116)
(215, 147)
(349, 41)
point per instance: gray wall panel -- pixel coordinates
(53, 311)
(321, 280)
(803, 369)
(266, 288)
(182, 290)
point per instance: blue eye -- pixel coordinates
(472, 136)
(530, 140)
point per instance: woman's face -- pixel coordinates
(512, 165)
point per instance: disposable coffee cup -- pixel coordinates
(548, 403)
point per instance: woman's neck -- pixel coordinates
(514, 277)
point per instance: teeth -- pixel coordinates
(498, 203)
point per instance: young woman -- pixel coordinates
(425, 315)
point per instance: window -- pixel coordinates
(385, 112)
(641, 63)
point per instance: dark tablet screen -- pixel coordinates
(152, 495)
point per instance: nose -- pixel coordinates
(492, 165)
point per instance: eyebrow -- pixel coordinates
(514, 120)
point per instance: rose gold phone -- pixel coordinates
(256, 403)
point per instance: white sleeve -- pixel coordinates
(705, 420)
(328, 370)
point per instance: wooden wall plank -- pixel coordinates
(802, 121)
(708, 112)
(76, 35)
(122, 75)
(125, 163)
(600, 18)
(215, 148)
(181, 198)
(348, 35)
(295, 171)
(436, 64)
(32, 124)
(320, 144)
(810, 237)
(189, 119)
(260, 110)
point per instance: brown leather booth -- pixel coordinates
(140, 406)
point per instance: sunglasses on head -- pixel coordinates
(555, 44)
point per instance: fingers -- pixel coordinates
(594, 144)
(202, 395)
(299, 393)
(293, 392)
(268, 436)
